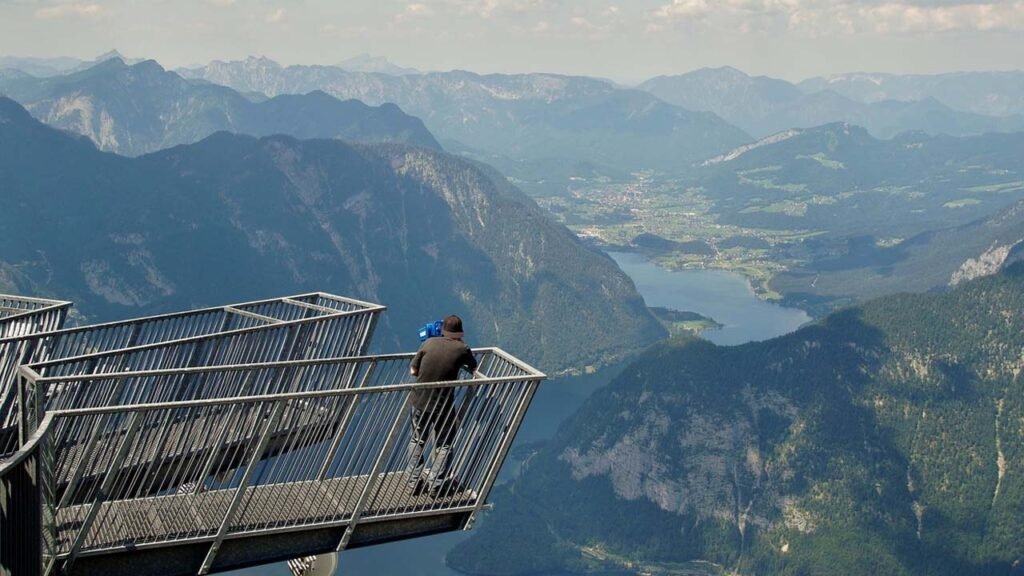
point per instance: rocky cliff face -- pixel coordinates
(234, 218)
(876, 441)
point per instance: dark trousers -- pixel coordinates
(442, 420)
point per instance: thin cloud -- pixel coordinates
(415, 10)
(74, 9)
(910, 18)
(484, 9)
(277, 16)
(819, 17)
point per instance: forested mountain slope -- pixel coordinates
(886, 439)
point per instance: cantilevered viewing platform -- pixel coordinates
(194, 450)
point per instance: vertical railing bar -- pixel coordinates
(47, 482)
(371, 479)
(326, 496)
(362, 448)
(392, 455)
(226, 420)
(352, 402)
(101, 494)
(242, 487)
(83, 460)
(499, 457)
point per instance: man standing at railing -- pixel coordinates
(439, 359)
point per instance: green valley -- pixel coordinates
(821, 217)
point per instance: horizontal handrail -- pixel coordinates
(20, 314)
(29, 447)
(196, 312)
(33, 376)
(181, 404)
(36, 366)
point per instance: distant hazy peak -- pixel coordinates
(379, 64)
(116, 55)
(109, 56)
(725, 71)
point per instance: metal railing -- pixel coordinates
(267, 447)
(22, 319)
(21, 315)
(315, 325)
(27, 506)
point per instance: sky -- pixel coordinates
(625, 40)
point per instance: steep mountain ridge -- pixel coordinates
(142, 108)
(235, 217)
(884, 439)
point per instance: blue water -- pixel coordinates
(723, 296)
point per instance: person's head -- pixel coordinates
(452, 327)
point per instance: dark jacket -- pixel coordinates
(439, 360)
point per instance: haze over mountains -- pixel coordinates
(989, 93)
(936, 105)
(377, 64)
(234, 218)
(141, 108)
(517, 122)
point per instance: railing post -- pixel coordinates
(371, 480)
(101, 495)
(48, 499)
(243, 485)
(499, 458)
(29, 412)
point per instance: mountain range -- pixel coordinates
(885, 439)
(989, 93)
(763, 106)
(39, 67)
(141, 108)
(516, 122)
(235, 217)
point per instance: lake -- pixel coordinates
(718, 294)
(724, 296)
